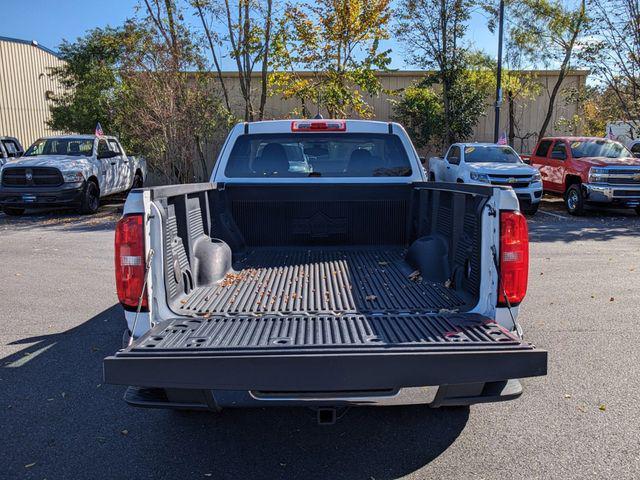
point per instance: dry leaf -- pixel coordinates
(124, 432)
(602, 407)
(567, 395)
(29, 465)
(371, 298)
(611, 299)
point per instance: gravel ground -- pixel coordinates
(60, 318)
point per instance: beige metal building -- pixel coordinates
(25, 89)
(528, 113)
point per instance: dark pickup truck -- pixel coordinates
(320, 268)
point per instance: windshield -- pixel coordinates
(318, 155)
(599, 148)
(491, 153)
(60, 146)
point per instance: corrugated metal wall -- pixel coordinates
(24, 108)
(24, 83)
(530, 113)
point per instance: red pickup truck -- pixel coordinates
(588, 171)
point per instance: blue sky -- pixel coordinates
(49, 22)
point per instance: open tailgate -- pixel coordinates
(324, 353)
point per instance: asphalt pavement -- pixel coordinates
(59, 317)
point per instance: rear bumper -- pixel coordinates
(613, 194)
(214, 400)
(67, 194)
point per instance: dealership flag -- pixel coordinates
(99, 131)
(503, 139)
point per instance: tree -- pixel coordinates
(89, 76)
(547, 31)
(433, 32)
(421, 108)
(614, 54)
(245, 30)
(338, 43)
(166, 106)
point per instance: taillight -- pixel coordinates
(130, 263)
(514, 258)
(318, 126)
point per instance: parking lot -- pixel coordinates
(60, 318)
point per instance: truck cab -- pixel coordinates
(10, 148)
(319, 268)
(588, 171)
(489, 163)
(70, 170)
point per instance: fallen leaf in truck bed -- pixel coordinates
(124, 432)
(382, 264)
(29, 465)
(448, 283)
(415, 276)
(371, 298)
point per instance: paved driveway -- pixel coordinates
(59, 319)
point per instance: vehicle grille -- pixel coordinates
(36, 176)
(621, 176)
(514, 181)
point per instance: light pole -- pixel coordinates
(496, 130)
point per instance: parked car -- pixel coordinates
(10, 148)
(74, 171)
(349, 281)
(588, 170)
(489, 163)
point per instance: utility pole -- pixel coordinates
(496, 131)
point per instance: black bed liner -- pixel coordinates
(318, 353)
(311, 280)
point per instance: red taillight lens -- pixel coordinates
(318, 126)
(514, 258)
(130, 263)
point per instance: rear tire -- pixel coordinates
(14, 212)
(574, 200)
(90, 199)
(138, 181)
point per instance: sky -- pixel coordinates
(51, 21)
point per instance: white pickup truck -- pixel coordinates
(320, 268)
(68, 171)
(493, 164)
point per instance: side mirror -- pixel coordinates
(526, 159)
(423, 160)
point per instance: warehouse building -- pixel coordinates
(26, 89)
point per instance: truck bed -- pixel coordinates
(310, 280)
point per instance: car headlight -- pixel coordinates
(480, 177)
(73, 177)
(536, 177)
(596, 174)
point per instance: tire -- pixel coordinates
(574, 200)
(14, 212)
(90, 199)
(531, 210)
(138, 181)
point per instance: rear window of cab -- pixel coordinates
(291, 155)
